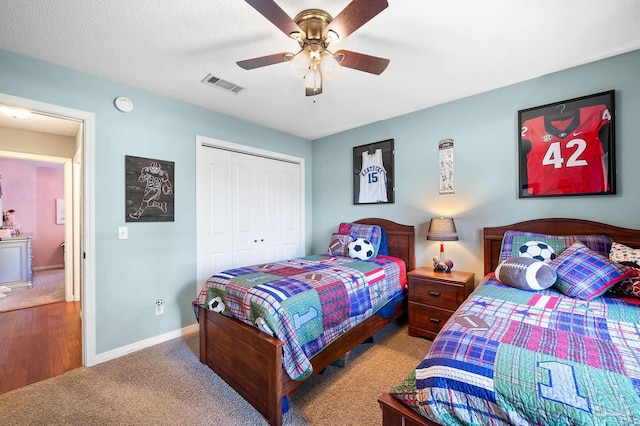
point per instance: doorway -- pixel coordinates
(79, 190)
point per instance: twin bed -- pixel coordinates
(507, 356)
(564, 355)
(253, 362)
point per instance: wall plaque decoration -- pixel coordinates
(446, 165)
(149, 190)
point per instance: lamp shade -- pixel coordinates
(442, 229)
(299, 65)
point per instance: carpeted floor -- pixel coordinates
(48, 287)
(166, 385)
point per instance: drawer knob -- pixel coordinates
(436, 320)
(434, 293)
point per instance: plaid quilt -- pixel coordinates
(514, 357)
(307, 302)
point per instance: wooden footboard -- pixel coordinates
(248, 360)
(251, 361)
(395, 413)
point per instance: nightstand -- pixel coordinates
(433, 297)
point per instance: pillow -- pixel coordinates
(585, 274)
(371, 233)
(339, 244)
(628, 287)
(526, 273)
(621, 253)
(513, 240)
(384, 248)
(361, 249)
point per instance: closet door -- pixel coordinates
(279, 188)
(248, 210)
(214, 201)
(246, 220)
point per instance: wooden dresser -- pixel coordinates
(433, 297)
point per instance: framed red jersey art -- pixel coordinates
(568, 147)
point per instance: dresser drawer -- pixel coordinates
(428, 318)
(448, 296)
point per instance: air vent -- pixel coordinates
(225, 85)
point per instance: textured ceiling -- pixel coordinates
(439, 51)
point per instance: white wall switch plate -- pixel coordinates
(123, 232)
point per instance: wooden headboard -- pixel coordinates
(400, 239)
(492, 236)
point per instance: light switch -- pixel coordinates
(123, 232)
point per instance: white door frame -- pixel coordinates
(203, 141)
(87, 241)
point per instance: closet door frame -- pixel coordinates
(204, 142)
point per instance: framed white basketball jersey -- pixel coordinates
(373, 174)
(373, 178)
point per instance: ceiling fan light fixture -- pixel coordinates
(296, 35)
(300, 63)
(315, 30)
(313, 79)
(329, 66)
(332, 37)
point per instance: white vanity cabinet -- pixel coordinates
(15, 262)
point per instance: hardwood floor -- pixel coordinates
(38, 343)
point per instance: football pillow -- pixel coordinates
(361, 249)
(339, 244)
(526, 273)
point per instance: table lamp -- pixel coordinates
(442, 229)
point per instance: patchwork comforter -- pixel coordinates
(307, 302)
(509, 356)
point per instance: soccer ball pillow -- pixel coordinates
(526, 273)
(537, 250)
(361, 249)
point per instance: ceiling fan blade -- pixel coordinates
(263, 61)
(362, 62)
(278, 17)
(356, 14)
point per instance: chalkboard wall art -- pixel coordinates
(149, 189)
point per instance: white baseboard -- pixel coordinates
(124, 350)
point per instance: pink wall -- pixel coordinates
(31, 190)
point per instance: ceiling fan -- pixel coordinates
(315, 30)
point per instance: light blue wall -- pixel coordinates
(159, 259)
(484, 128)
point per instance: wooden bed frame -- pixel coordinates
(250, 361)
(395, 413)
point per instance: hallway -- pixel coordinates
(38, 343)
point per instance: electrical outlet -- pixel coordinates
(159, 307)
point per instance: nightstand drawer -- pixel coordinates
(436, 293)
(428, 318)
